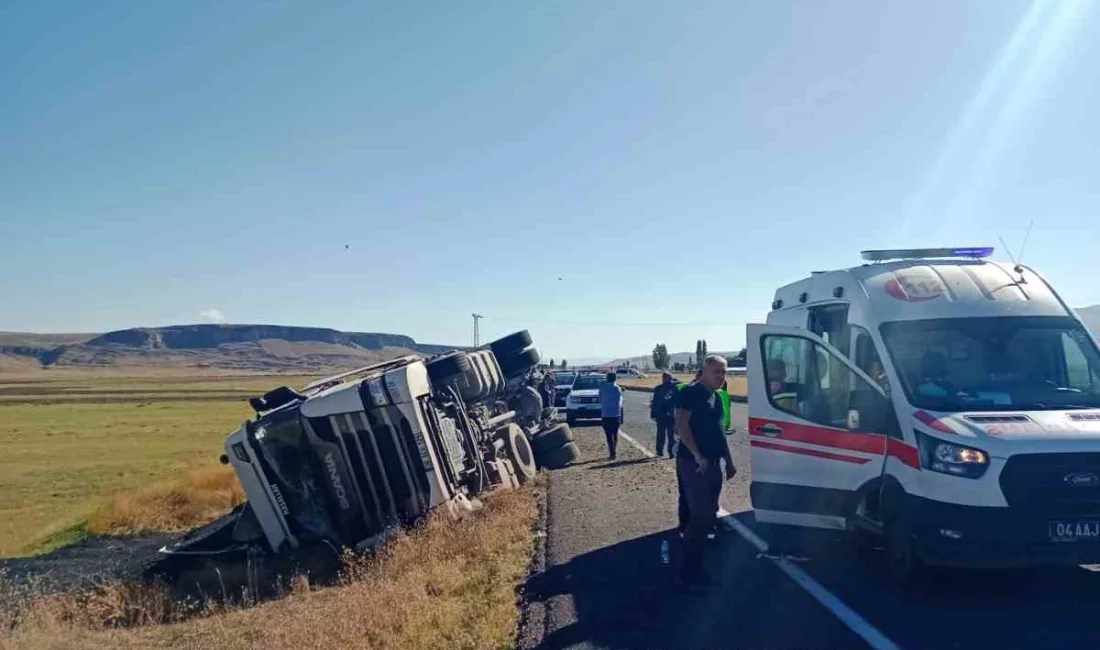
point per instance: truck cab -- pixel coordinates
(945, 403)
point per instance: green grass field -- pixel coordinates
(68, 444)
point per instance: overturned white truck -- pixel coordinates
(350, 458)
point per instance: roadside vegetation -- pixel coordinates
(738, 385)
(70, 442)
(123, 456)
(446, 585)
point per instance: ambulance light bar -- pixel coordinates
(973, 252)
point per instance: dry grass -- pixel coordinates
(201, 496)
(738, 385)
(447, 585)
(70, 443)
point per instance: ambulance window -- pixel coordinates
(866, 357)
(806, 380)
(1079, 375)
(831, 324)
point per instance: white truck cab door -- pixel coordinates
(817, 429)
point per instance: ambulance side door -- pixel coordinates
(817, 428)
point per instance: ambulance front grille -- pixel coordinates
(1061, 483)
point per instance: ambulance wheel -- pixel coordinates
(562, 456)
(903, 564)
(518, 450)
(551, 438)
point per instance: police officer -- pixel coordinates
(661, 411)
(702, 447)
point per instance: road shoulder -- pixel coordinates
(606, 585)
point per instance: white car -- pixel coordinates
(631, 373)
(583, 402)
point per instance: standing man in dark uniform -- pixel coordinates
(662, 411)
(702, 447)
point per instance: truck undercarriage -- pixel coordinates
(349, 460)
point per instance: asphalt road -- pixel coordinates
(606, 584)
(956, 609)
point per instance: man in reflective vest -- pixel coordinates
(724, 395)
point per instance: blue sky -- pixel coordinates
(397, 166)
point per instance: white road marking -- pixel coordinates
(828, 599)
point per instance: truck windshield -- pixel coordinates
(564, 379)
(1008, 363)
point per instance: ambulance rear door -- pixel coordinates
(817, 429)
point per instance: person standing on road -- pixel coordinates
(528, 402)
(662, 411)
(702, 447)
(548, 389)
(682, 510)
(724, 395)
(611, 412)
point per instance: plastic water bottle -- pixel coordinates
(664, 551)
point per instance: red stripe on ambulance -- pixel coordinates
(764, 444)
(868, 443)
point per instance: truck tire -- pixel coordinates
(562, 456)
(517, 363)
(516, 342)
(518, 450)
(551, 438)
(448, 365)
(570, 419)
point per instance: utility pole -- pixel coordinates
(477, 341)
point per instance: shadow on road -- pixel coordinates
(611, 464)
(623, 597)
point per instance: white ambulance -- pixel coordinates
(944, 403)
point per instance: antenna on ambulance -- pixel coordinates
(1027, 235)
(1017, 262)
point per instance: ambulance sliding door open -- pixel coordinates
(818, 429)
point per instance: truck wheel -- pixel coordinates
(516, 342)
(570, 419)
(551, 438)
(562, 456)
(519, 452)
(448, 365)
(517, 363)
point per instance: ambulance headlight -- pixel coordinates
(948, 458)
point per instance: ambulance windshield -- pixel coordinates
(995, 364)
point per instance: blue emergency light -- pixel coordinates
(972, 252)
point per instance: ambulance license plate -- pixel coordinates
(1078, 530)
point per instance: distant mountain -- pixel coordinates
(224, 347)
